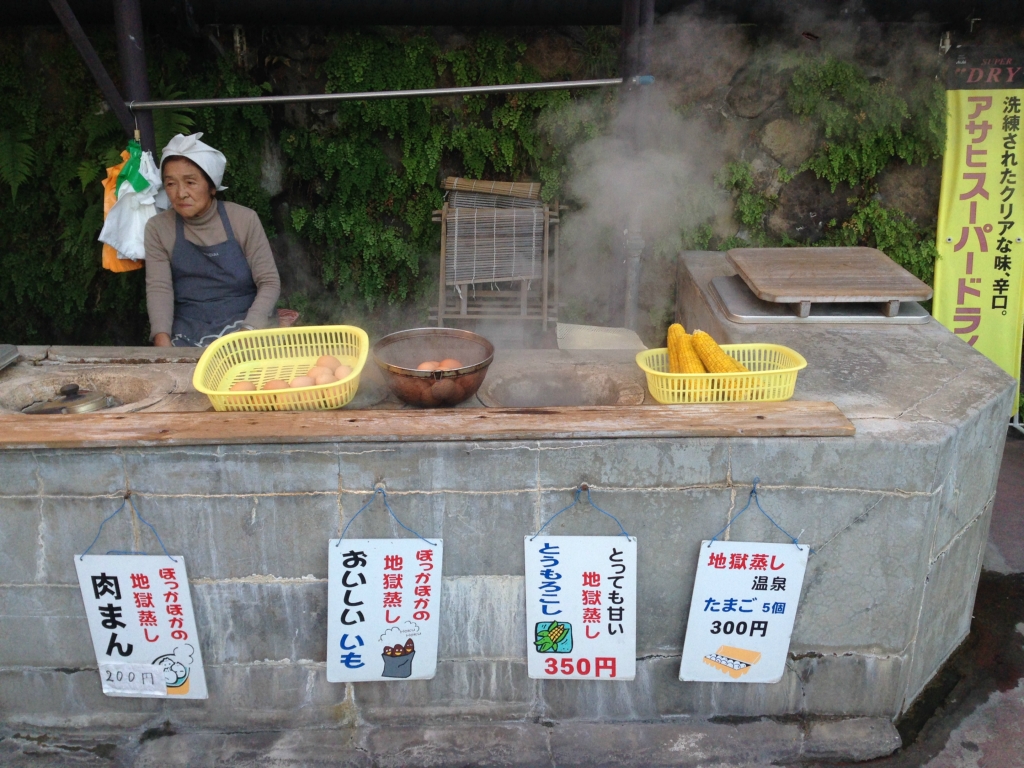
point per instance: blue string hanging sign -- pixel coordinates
(380, 490)
(581, 602)
(383, 604)
(576, 500)
(116, 512)
(744, 604)
(753, 497)
(141, 620)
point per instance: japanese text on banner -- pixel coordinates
(980, 271)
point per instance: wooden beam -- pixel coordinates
(793, 418)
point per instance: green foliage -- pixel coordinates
(599, 52)
(16, 158)
(372, 171)
(699, 239)
(53, 289)
(866, 124)
(168, 123)
(751, 205)
(890, 231)
(238, 132)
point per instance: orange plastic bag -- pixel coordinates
(110, 260)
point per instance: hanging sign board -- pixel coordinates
(979, 273)
(142, 625)
(383, 603)
(581, 607)
(741, 615)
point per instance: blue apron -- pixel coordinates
(213, 287)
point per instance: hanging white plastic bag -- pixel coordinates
(125, 225)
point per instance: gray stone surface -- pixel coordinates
(283, 536)
(483, 617)
(58, 542)
(790, 142)
(33, 353)
(19, 540)
(690, 744)
(233, 470)
(43, 623)
(130, 355)
(945, 614)
(854, 739)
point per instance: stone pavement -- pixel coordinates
(972, 716)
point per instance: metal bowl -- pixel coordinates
(398, 354)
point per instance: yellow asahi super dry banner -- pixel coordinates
(980, 271)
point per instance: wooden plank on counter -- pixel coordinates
(96, 430)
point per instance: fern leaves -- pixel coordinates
(16, 159)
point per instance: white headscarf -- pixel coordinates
(212, 161)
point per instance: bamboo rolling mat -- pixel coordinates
(511, 188)
(488, 245)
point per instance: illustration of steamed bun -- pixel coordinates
(176, 664)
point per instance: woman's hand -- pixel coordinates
(162, 340)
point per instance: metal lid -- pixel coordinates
(71, 399)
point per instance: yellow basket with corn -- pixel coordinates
(694, 369)
(257, 358)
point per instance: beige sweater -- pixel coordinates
(205, 230)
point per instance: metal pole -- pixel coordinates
(95, 66)
(371, 95)
(131, 51)
(629, 32)
(646, 29)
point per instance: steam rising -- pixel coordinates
(400, 633)
(651, 170)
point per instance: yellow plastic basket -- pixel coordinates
(280, 353)
(772, 376)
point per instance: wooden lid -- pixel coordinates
(791, 275)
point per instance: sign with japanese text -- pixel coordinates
(742, 611)
(142, 625)
(980, 270)
(383, 605)
(581, 607)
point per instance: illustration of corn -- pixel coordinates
(548, 638)
(735, 662)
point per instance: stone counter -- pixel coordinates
(897, 515)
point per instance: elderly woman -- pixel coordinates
(209, 267)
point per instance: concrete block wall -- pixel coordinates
(898, 517)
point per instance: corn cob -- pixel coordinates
(555, 632)
(682, 358)
(712, 355)
(675, 334)
(717, 361)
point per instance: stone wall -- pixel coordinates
(898, 517)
